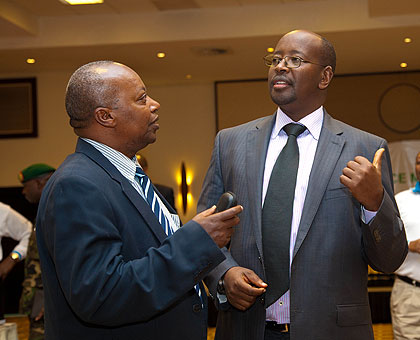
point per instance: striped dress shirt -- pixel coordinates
(127, 168)
(307, 143)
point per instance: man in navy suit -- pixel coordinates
(109, 268)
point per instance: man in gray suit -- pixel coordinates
(343, 215)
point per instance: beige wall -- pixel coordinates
(187, 130)
(352, 99)
(187, 124)
(55, 139)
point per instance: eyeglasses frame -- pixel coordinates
(286, 56)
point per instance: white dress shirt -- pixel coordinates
(15, 226)
(409, 206)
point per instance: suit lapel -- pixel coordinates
(256, 151)
(328, 151)
(133, 196)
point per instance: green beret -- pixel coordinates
(34, 171)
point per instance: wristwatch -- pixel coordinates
(221, 287)
(14, 256)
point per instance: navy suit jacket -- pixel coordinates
(109, 270)
(167, 193)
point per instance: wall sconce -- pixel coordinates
(184, 187)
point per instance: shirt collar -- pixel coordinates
(312, 121)
(125, 165)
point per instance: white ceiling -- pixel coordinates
(368, 35)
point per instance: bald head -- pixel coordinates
(324, 47)
(89, 88)
(108, 102)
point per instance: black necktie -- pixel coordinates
(277, 216)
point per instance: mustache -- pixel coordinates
(277, 78)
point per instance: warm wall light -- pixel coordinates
(188, 76)
(30, 61)
(161, 55)
(270, 50)
(189, 198)
(184, 188)
(82, 2)
(407, 40)
(403, 65)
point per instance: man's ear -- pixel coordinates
(39, 183)
(327, 75)
(105, 117)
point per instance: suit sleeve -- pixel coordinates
(81, 230)
(384, 239)
(212, 189)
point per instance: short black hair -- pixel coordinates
(87, 90)
(328, 54)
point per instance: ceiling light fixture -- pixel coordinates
(161, 54)
(403, 65)
(407, 40)
(82, 2)
(270, 50)
(30, 61)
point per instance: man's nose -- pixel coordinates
(281, 66)
(154, 105)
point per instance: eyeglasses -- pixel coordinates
(290, 62)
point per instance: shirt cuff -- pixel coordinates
(367, 215)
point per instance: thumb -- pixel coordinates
(377, 160)
(254, 279)
(208, 211)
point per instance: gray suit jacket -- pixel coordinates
(328, 286)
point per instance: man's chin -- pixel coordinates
(150, 139)
(282, 101)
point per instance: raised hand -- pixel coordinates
(364, 180)
(220, 225)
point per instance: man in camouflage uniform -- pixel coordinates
(34, 179)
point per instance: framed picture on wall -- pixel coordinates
(18, 108)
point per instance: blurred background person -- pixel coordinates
(405, 296)
(17, 227)
(33, 179)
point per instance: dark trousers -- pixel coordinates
(270, 334)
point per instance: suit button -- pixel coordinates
(196, 308)
(262, 300)
(377, 235)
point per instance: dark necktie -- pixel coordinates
(277, 216)
(152, 199)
